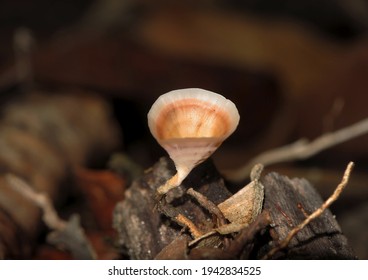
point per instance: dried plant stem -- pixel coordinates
(194, 231)
(67, 234)
(207, 204)
(50, 217)
(301, 149)
(284, 243)
(201, 237)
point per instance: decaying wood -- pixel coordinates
(310, 217)
(42, 136)
(290, 202)
(146, 233)
(143, 230)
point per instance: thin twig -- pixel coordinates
(201, 237)
(283, 244)
(68, 234)
(193, 229)
(50, 217)
(207, 204)
(301, 149)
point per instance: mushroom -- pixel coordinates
(190, 124)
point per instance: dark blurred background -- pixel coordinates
(295, 69)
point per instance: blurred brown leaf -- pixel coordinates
(103, 189)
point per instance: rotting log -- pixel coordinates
(146, 233)
(43, 135)
(289, 202)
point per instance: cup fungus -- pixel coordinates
(190, 124)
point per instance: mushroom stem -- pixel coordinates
(170, 184)
(174, 181)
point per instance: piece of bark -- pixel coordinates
(147, 234)
(289, 202)
(42, 137)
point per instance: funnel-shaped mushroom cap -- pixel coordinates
(190, 124)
